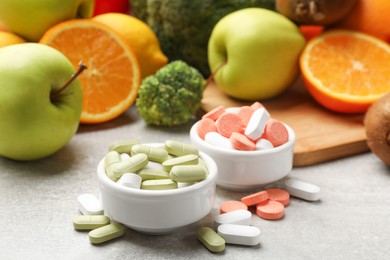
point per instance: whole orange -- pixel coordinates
(369, 16)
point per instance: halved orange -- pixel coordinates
(111, 82)
(346, 71)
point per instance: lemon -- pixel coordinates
(7, 38)
(140, 37)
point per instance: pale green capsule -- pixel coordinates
(188, 173)
(210, 239)
(111, 158)
(132, 164)
(189, 159)
(153, 174)
(162, 184)
(89, 222)
(106, 233)
(123, 146)
(155, 154)
(179, 148)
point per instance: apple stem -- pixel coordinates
(212, 75)
(82, 67)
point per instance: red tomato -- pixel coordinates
(111, 6)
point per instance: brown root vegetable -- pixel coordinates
(314, 12)
(377, 125)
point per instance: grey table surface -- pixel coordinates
(38, 201)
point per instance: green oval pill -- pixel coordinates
(153, 174)
(179, 148)
(210, 239)
(111, 158)
(155, 154)
(132, 164)
(163, 184)
(189, 159)
(188, 173)
(106, 233)
(123, 146)
(89, 222)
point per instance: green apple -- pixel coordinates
(30, 19)
(254, 53)
(40, 101)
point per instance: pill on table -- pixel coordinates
(238, 217)
(232, 205)
(133, 164)
(153, 174)
(189, 159)
(239, 234)
(255, 198)
(270, 210)
(123, 146)
(188, 173)
(161, 184)
(89, 204)
(276, 132)
(131, 180)
(241, 142)
(155, 154)
(106, 233)
(205, 125)
(263, 144)
(111, 158)
(179, 148)
(219, 140)
(89, 222)
(214, 113)
(245, 113)
(210, 239)
(302, 190)
(228, 123)
(279, 195)
(257, 123)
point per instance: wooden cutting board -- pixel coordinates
(321, 135)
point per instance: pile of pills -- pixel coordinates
(247, 128)
(140, 166)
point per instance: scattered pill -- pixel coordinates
(240, 235)
(133, 164)
(89, 222)
(276, 132)
(239, 217)
(131, 180)
(257, 123)
(245, 113)
(263, 144)
(279, 195)
(89, 204)
(206, 125)
(219, 140)
(161, 184)
(214, 113)
(255, 198)
(106, 233)
(210, 239)
(155, 154)
(153, 174)
(189, 159)
(188, 173)
(123, 146)
(228, 123)
(178, 148)
(241, 142)
(232, 205)
(271, 210)
(302, 190)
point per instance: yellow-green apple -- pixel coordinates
(40, 101)
(32, 18)
(254, 53)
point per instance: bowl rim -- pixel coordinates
(106, 182)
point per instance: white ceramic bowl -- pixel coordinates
(158, 211)
(248, 170)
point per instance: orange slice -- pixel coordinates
(111, 82)
(346, 71)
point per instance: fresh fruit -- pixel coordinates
(377, 125)
(37, 118)
(254, 53)
(368, 16)
(31, 18)
(110, 6)
(346, 71)
(7, 38)
(110, 85)
(140, 37)
(310, 12)
(2, 27)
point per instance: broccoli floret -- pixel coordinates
(171, 96)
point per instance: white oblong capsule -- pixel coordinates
(239, 217)
(131, 180)
(89, 204)
(302, 190)
(256, 124)
(239, 234)
(219, 140)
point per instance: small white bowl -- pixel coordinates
(158, 211)
(248, 170)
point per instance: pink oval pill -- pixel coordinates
(275, 132)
